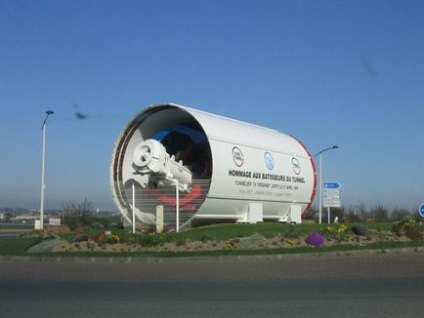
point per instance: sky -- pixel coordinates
(347, 73)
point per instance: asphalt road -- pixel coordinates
(6, 235)
(357, 285)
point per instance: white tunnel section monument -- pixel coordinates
(205, 168)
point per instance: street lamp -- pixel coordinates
(320, 178)
(43, 128)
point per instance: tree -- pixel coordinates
(311, 214)
(352, 216)
(400, 214)
(76, 215)
(379, 213)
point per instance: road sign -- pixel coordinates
(332, 192)
(332, 195)
(333, 204)
(421, 210)
(331, 185)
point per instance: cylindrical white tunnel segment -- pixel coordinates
(224, 164)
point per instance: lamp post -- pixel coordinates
(43, 128)
(320, 178)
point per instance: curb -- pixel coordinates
(389, 252)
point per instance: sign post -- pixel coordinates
(332, 197)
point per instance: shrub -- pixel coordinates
(414, 234)
(149, 239)
(337, 233)
(292, 233)
(359, 229)
(97, 225)
(405, 225)
(113, 239)
(153, 239)
(181, 242)
(204, 238)
(315, 239)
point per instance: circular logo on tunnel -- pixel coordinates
(269, 161)
(238, 157)
(296, 165)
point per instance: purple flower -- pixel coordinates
(315, 239)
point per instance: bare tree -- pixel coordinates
(78, 214)
(399, 214)
(379, 213)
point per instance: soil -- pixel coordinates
(252, 242)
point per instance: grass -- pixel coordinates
(223, 232)
(17, 245)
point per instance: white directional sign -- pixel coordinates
(332, 195)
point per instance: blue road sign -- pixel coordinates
(332, 185)
(421, 210)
